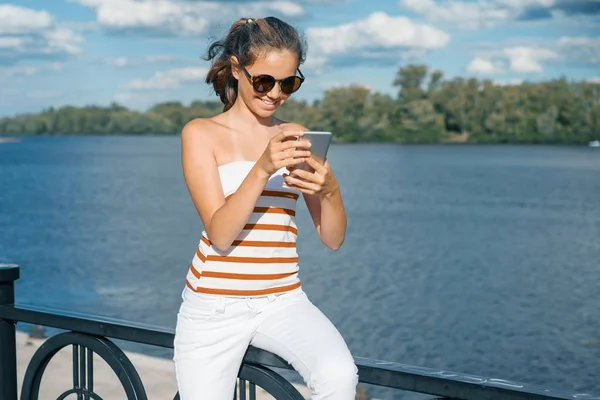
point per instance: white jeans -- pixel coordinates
(213, 334)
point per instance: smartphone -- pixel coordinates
(319, 145)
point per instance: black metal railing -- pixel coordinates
(88, 335)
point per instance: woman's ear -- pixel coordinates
(235, 67)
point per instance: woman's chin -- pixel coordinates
(263, 109)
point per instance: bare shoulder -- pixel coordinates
(199, 142)
(198, 129)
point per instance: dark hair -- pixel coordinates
(248, 39)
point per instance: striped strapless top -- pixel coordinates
(263, 258)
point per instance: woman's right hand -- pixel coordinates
(285, 149)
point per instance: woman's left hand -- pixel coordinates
(319, 181)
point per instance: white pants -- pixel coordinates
(213, 334)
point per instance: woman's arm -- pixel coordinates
(323, 198)
(328, 213)
(224, 220)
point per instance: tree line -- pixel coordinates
(426, 109)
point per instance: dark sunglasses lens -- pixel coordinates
(291, 84)
(263, 83)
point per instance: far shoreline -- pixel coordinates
(18, 138)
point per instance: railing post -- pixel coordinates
(8, 346)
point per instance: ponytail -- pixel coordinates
(220, 75)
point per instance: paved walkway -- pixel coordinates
(157, 374)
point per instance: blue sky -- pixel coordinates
(141, 52)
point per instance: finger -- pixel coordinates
(285, 154)
(277, 132)
(309, 176)
(293, 132)
(292, 154)
(281, 136)
(291, 162)
(302, 174)
(301, 144)
(289, 135)
(303, 190)
(290, 180)
(283, 146)
(317, 166)
(299, 185)
(301, 154)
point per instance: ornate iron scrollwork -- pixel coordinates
(84, 346)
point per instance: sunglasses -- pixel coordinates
(265, 83)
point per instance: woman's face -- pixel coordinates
(278, 64)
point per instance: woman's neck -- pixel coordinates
(243, 114)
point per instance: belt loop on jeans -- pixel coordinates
(250, 302)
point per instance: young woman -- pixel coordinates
(243, 287)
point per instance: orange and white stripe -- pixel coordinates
(262, 260)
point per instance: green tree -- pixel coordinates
(426, 109)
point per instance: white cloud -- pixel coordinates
(163, 86)
(378, 37)
(124, 62)
(28, 70)
(524, 59)
(180, 18)
(25, 70)
(584, 50)
(486, 14)
(519, 59)
(531, 59)
(465, 15)
(95, 3)
(171, 79)
(595, 79)
(120, 62)
(62, 40)
(11, 42)
(18, 20)
(166, 17)
(483, 66)
(286, 8)
(25, 32)
(325, 1)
